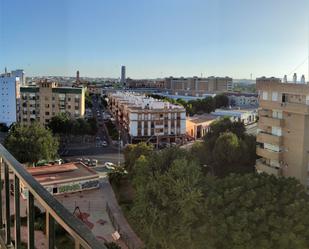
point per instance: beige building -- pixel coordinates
(146, 119)
(283, 140)
(44, 101)
(198, 125)
(196, 86)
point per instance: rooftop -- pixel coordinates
(197, 119)
(67, 172)
(141, 101)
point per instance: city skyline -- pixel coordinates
(155, 39)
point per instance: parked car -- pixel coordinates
(104, 143)
(109, 165)
(94, 163)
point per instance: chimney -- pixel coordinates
(302, 80)
(294, 78)
(285, 79)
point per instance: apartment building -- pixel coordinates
(196, 86)
(9, 98)
(283, 140)
(46, 99)
(145, 83)
(147, 119)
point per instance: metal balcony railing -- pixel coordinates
(55, 212)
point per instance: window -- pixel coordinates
(46, 113)
(274, 96)
(276, 131)
(277, 114)
(265, 95)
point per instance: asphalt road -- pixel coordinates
(109, 153)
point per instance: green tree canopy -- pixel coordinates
(257, 212)
(227, 148)
(133, 151)
(221, 100)
(30, 144)
(175, 206)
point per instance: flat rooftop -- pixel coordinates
(141, 101)
(68, 172)
(197, 119)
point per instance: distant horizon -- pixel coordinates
(155, 39)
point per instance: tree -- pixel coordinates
(133, 151)
(30, 144)
(60, 124)
(168, 205)
(221, 100)
(256, 211)
(112, 245)
(207, 105)
(226, 153)
(88, 100)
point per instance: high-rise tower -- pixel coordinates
(77, 77)
(123, 75)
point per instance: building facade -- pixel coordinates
(9, 98)
(243, 99)
(42, 102)
(196, 86)
(198, 125)
(245, 116)
(146, 119)
(283, 141)
(21, 75)
(64, 178)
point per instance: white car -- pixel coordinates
(109, 165)
(104, 143)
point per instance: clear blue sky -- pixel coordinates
(154, 38)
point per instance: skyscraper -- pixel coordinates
(123, 75)
(77, 77)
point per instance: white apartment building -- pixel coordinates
(9, 98)
(246, 116)
(148, 119)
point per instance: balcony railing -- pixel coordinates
(300, 108)
(263, 137)
(268, 154)
(55, 212)
(270, 121)
(262, 166)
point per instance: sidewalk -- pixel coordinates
(110, 197)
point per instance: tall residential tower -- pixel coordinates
(283, 137)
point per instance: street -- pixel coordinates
(102, 148)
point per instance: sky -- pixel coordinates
(155, 38)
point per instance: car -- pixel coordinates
(109, 165)
(93, 163)
(104, 143)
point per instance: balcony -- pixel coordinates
(268, 154)
(270, 121)
(263, 137)
(288, 107)
(261, 166)
(55, 212)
